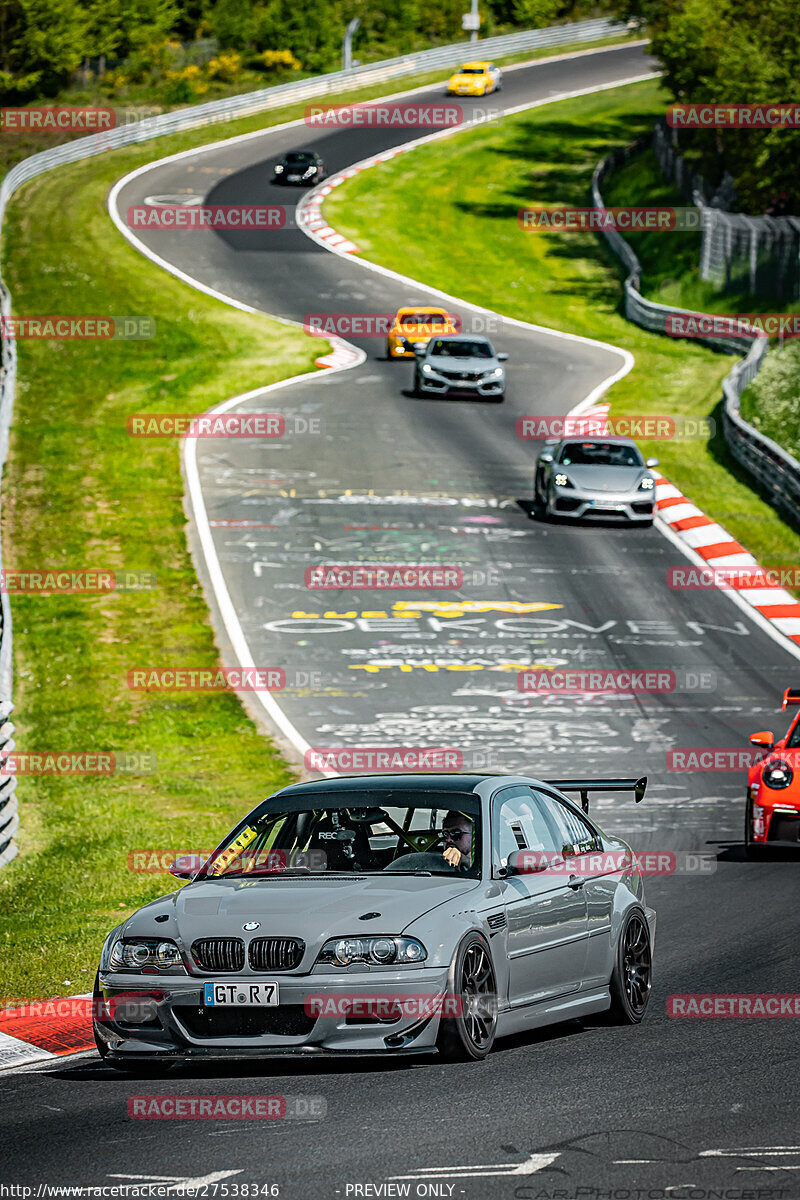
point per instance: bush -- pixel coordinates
(226, 66)
(275, 60)
(184, 86)
(772, 401)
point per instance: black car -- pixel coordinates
(299, 166)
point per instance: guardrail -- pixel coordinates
(213, 112)
(776, 472)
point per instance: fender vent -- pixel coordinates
(496, 920)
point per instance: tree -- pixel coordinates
(41, 43)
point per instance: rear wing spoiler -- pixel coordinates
(790, 696)
(585, 786)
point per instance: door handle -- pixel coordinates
(575, 882)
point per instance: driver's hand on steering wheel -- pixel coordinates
(452, 856)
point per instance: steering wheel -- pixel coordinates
(420, 842)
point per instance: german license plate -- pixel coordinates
(253, 995)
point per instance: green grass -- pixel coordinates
(670, 261)
(472, 185)
(78, 492)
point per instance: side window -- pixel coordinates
(575, 836)
(519, 823)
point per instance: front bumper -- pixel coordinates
(782, 828)
(186, 1028)
(441, 385)
(579, 505)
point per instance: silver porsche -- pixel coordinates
(385, 914)
(604, 477)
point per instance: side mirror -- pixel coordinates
(764, 738)
(502, 357)
(533, 862)
(545, 456)
(186, 865)
(651, 462)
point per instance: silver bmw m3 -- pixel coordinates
(606, 477)
(389, 914)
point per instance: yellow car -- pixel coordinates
(417, 325)
(475, 79)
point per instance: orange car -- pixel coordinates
(417, 326)
(773, 788)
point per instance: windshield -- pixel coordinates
(471, 71)
(359, 834)
(423, 318)
(444, 349)
(599, 454)
(299, 158)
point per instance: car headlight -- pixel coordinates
(427, 369)
(133, 954)
(495, 374)
(562, 480)
(309, 171)
(341, 952)
(777, 774)
(279, 169)
(647, 484)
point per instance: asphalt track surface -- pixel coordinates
(686, 1105)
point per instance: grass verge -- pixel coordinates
(473, 185)
(79, 492)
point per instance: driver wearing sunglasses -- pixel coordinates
(457, 838)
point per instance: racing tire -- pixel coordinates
(469, 1035)
(633, 970)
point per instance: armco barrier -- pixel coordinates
(775, 471)
(190, 118)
